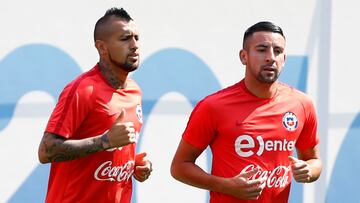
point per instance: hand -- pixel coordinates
(121, 133)
(300, 169)
(143, 167)
(242, 187)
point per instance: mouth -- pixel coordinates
(269, 68)
(133, 56)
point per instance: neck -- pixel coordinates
(261, 90)
(116, 78)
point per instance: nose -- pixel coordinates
(270, 57)
(134, 43)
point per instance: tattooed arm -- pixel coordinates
(55, 148)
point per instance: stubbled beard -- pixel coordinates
(262, 77)
(128, 67)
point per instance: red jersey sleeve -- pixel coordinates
(308, 137)
(201, 127)
(70, 111)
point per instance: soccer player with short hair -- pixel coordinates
(252, 129)
(91, 136)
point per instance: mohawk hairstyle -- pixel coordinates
(100, 24)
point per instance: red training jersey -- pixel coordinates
(87, 107)
(245, 131)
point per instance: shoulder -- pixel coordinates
(214, 101)
(83, 85)
(288, 91)
(225, 93)
(132, 84)
(132, 89)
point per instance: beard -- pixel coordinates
(268, 78)
(126, 66)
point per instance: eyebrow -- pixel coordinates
(262, 46)
(129, 34)
(267, 46)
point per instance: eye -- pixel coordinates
(261, 48)
(278, 51)
(124, 38)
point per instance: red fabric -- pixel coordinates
(244, 131)
(87, 107)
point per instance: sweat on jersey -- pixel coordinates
(244, 132)
(87, 107)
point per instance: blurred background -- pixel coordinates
(189, 49)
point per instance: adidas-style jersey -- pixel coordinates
(244, 131)
(87, 107)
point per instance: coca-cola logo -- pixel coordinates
(279, 177)
(107, 172)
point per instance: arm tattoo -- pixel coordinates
(105, 141)
(59, 149)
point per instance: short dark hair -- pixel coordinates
(117, 12)
(262, 26)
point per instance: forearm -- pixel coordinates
(316, 167)
(191, 174)
(54, 148)
(312, 157)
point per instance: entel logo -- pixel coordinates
(244, 145)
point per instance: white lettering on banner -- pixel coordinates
(245, 144)
(114, 173)
(277, 178)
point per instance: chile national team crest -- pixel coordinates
(290, 121)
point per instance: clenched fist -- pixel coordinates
(121, 133)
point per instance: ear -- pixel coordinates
(101, 47)
(243, 56)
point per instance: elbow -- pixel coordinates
(43, 160)
(42, 156)
(174, 172)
